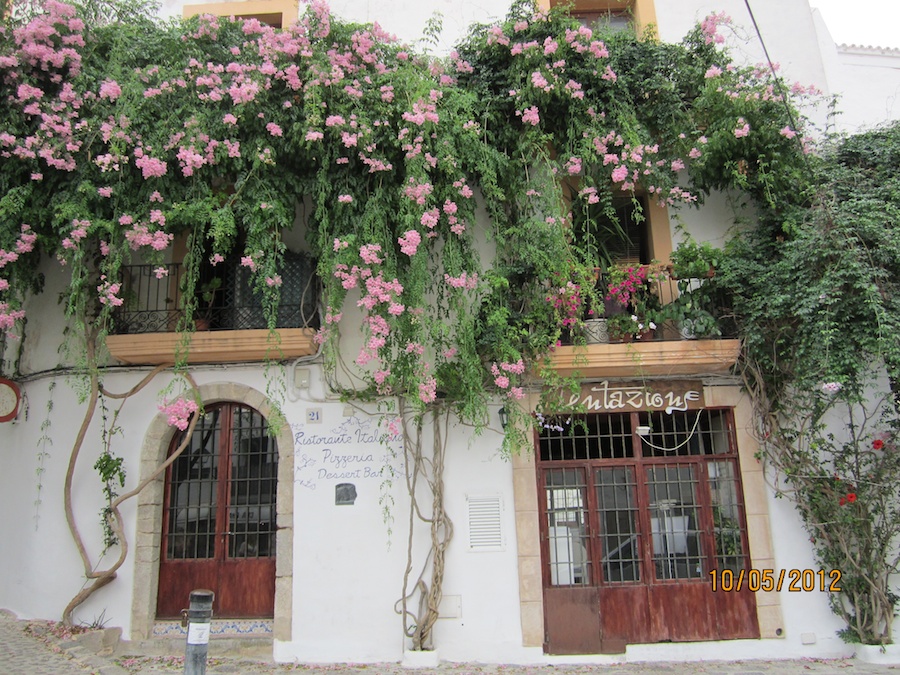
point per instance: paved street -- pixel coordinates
(31, 648)
(21, 652)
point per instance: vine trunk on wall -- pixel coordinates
(112, 516)
(424, 472)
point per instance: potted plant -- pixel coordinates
(694, 267)
(687, 314)
(208, 292)
(694, 260)
(634, 290)
(596, 330)
(596, 311)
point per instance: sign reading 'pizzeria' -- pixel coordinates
(667, 396)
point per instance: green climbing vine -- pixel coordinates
(458, 207)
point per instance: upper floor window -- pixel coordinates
(627, 239)
(615, 14)
(274, 13)
(618, 233)
(615, 19)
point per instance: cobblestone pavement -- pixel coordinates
(21, 651)
(35, 648)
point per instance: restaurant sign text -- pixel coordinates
(668, 396)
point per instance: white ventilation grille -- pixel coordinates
(485, 532)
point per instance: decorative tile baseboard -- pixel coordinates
(220, 628)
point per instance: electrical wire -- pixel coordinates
(680, 445)
(779, 84)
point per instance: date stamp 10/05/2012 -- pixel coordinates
(794, 581)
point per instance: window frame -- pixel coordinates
(640, 464)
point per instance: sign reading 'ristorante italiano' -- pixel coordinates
(668, 396)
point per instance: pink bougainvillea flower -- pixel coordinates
(531, 116)
(178, 413)
(110, 89)
(409, 242)
(787, 132)
(428, 390)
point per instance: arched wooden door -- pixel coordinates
(219, 516)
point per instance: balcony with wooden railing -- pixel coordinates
(228, 325)
(670, 328)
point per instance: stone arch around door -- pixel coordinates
(148, 535)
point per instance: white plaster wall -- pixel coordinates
(803, 612)
(795, 35)
(42, 569)
(720, 216)
(786, 27)
(348, 570)
(345, 563)
(46, 324)
(405, 19)
(869, 83)
(486, 582)
(866, 79)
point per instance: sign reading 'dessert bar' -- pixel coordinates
(668, 396)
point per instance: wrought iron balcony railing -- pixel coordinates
(154, 304)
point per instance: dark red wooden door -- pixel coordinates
(631, 527)
(219, 517)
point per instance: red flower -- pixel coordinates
(851, 497)
(878, 444)
(842, 501)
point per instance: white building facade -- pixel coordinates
(315, 557)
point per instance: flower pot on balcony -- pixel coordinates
(596, 331)
(686, 330)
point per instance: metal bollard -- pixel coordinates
(197, 619)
